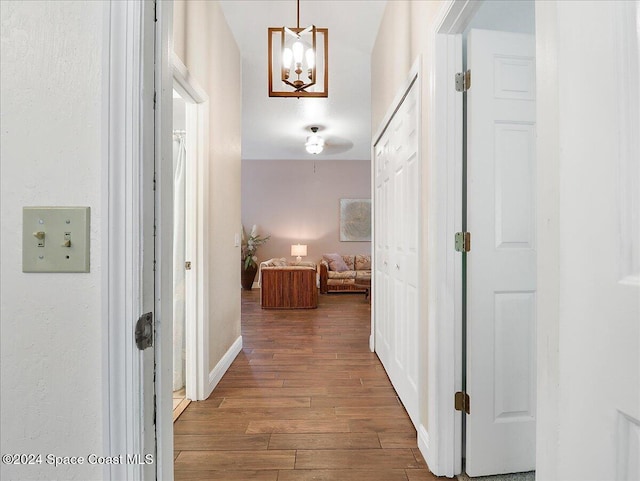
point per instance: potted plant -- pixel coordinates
(249, 264)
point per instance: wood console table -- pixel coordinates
(289, 287)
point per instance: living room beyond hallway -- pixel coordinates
(305, 399)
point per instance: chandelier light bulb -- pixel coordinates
(311, 58)
(298, 51)
(287, 58)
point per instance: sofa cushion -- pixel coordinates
(336, 262)
(342, 275)
(363, 275)
(348, 260)
(340, 282)
(363, 263)
(278, 262)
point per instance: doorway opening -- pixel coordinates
(483, 321)
(190, 143)
(180, 262)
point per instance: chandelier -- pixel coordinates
(298, 61)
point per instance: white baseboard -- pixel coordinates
(216, 374)
(425, 449)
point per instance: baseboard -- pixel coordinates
(216, 374)
(424, 447)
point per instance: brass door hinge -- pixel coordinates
(463, 241)
(461, 401)
(463, 81)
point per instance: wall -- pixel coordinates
(505, 16)
(298, 201)
(205, 44)
(405, 37)
(51, 328)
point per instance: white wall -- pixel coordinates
(51, 329)
(505, 16)
(298, 201)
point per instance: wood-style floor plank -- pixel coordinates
(343, 475)
(305, 400)
(355, 459)
(324, 441)
(237, 460)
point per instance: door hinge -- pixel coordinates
(187, 265)
(461, 401)
(463, 241)
(463, 81)
(144, 331)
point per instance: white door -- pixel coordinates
(596, 197)
(396, 262)
(501, 267)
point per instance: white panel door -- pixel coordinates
(382, 295)
(501, 267)
(396, 295)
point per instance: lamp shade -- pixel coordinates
(299, 250)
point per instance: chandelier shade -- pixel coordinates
(298, 61)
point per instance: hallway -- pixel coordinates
(304, 400)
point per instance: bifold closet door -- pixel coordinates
(396, 296)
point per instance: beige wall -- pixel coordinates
(298, 201)
(203, 41)
(404, 36)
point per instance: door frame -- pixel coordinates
(443, 452)
(124, 119)
(197, 201)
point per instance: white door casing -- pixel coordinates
(130, 429)
(148, 240)
(196, 329)
(501, 267)
(396, 252)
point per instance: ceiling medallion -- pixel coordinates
(298, 61)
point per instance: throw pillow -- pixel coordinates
(336, 262)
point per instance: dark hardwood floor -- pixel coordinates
(305, 400)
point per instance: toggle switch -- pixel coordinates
(40, 236)
(57, 225)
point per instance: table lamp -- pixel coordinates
(299, 250)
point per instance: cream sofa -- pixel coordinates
(358, 269)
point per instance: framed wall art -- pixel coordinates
(355, 220)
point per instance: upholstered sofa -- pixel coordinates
(335, 278)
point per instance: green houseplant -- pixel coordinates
(249, 260)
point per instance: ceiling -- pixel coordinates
(277, 128)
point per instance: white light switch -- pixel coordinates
(237, 240)
(55, 239)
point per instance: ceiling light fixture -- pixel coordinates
(298, 61)
(315, 143)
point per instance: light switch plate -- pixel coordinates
(55, 239)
